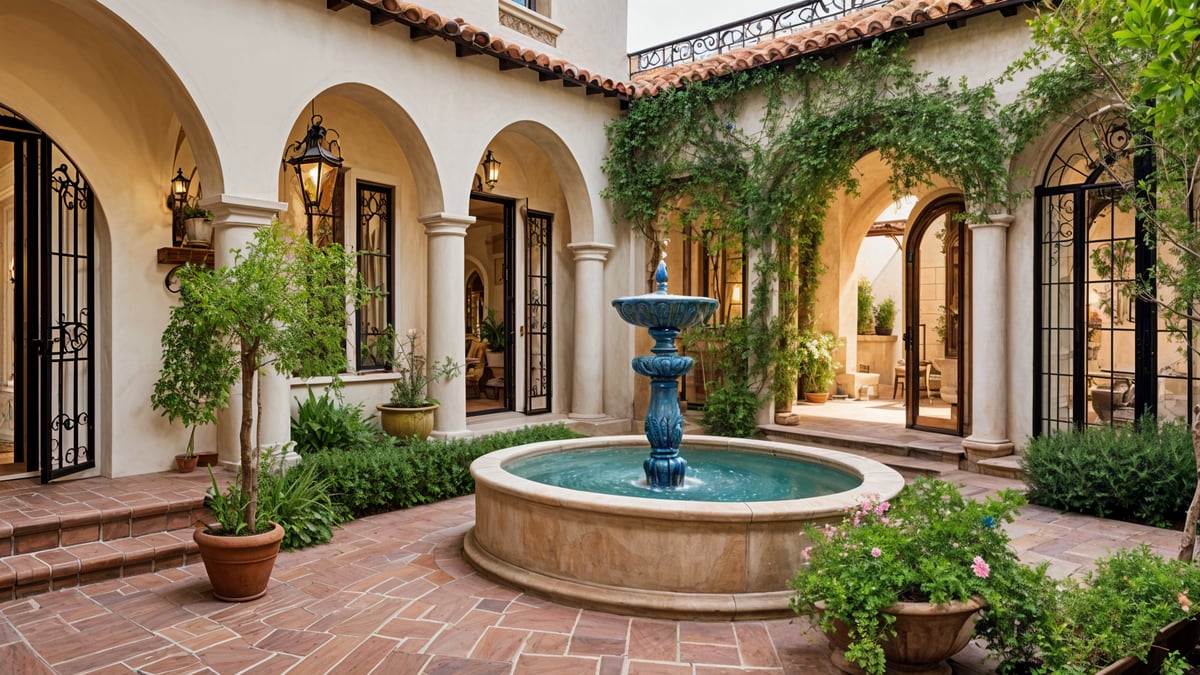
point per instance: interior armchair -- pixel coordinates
(475, 364)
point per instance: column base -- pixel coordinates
(451, 434)
(979, 448)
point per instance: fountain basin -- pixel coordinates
(675, 559)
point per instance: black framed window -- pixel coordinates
(374, 337)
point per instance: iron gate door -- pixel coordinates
(54, 291)
(538, 261)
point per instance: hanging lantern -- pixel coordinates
(491, 170)
(316, 160)
(179, 191)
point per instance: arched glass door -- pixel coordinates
(933, 374)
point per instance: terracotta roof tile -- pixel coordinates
(874, 21)
(464, 33)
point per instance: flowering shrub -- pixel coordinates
(816, 365)
(930, 545)
(411, 390)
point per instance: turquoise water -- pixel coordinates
(712, 475)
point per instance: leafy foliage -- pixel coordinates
(282, 305)
(326, 421)
(1143, 473)
(1117, 610)
(866, 300)
(885, 314)
(684, 157)
(931, 545)
(299, 501)
(411, 388)
(387, 475)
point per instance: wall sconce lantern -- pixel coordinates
(179, 191)
(491, 170)
(316, 160)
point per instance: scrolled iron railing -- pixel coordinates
(745, 32)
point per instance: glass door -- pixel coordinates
(933, 370)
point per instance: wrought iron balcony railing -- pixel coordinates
(743, 33)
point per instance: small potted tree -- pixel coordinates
(885, 317)
(409, 411)
(272, 309)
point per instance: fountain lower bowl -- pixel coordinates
(647, 557)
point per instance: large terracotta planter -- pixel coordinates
(407, 422)
(926, 635)
(239, 567)
(816, 397)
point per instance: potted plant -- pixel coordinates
(270, 310)
(409, 411)
(492, 331)
(198, 225)
(866, 296)
(885, 317)
(902, 583)
(815, 364)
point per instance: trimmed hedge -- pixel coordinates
(386, 475)
(1143, 473)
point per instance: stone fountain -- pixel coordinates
(572, 520)
(664, 315)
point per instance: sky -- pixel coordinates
(652, 22)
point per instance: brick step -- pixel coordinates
(26, 574)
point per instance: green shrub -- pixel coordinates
(300, 502)
(326, 422)
(1117, 610)
(866, 308)
(386, 475)
(1142, 473)
(730, 410)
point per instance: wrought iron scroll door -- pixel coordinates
(54, 291)
(538, 295)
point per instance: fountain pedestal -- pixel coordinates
(665, 315)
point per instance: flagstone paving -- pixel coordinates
(392, 594)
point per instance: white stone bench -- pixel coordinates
(853, 383)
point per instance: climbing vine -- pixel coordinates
(754, 159)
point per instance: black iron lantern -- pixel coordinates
(316, 159)
(179, 191)
(491, 170)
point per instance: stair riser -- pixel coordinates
(38, 577)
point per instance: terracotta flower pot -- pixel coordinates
(816, 397)
(926, 635)
(407, 422)
(239, 567)
(186, 464)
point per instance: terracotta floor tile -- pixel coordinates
(529, 664)
(754, 645)
(653, 640)
(653, 668)
(547, 643)
(401, 662)
(499, 644)
(691, 652)
(296, 642)
(19, 658)
(367, 655)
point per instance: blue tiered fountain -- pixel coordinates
(665, 315)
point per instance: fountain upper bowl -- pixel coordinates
(663, 310)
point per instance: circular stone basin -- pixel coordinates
(655, 557)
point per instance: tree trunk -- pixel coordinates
(1187, 543)
(249, 469)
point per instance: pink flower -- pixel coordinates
(881, 508)
(875, 552)
(980, 568)
(1184, 603)
(805, 552)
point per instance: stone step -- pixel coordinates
(833, 439)
(26, 574)
(1003, 467)
(909, 457)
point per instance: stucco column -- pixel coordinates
(989, 339)
(235, 219)
(587, 389)
(446, 235)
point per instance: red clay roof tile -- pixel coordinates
(891, 17)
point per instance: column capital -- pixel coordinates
(446, 224)
(234, 211)
(998, 220)
(591, 250)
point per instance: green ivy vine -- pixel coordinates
(755, 159)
